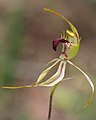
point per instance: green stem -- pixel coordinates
(50, 101)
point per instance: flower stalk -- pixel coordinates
(50, 101)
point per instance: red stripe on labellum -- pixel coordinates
(60, 70)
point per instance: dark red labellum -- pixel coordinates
(57, 41)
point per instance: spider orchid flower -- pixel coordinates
(70, 45)
(70, 41)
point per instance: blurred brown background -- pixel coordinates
(26, 34)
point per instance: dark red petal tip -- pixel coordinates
(55, 44)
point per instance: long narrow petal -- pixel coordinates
(17, 87)
(69, 78)
(88, 79)
(45, 72)
(52, 61)
(70, 24)
(57, 77)
(30, 86)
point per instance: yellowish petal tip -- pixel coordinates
(16, 87)
(50, 10)
(89, 101)
(46, 9)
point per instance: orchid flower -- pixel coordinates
(70, 41)
(70, 45)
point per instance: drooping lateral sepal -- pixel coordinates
(89, 81)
